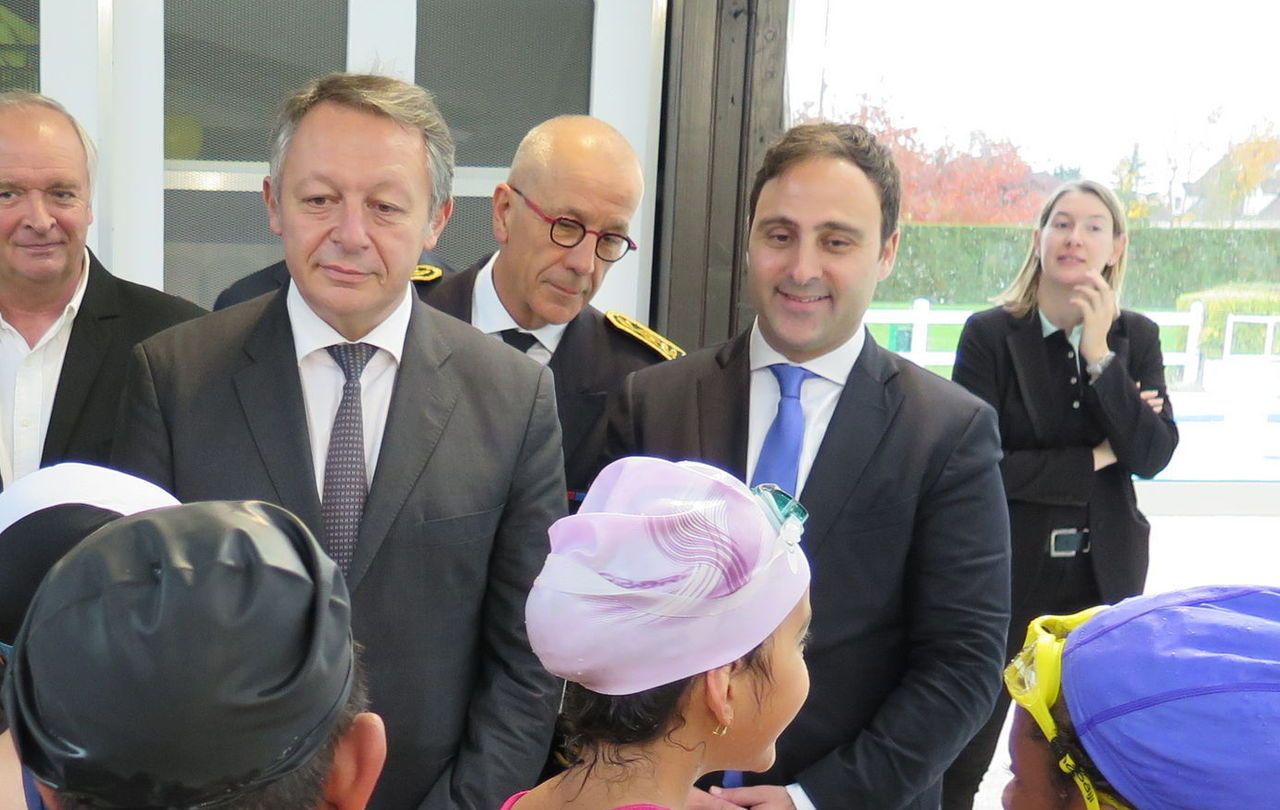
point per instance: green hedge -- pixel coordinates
(950, 264)
(1234, 299)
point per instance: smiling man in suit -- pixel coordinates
(908, 536)
(66, 324)
(562, 220)
(423, 454)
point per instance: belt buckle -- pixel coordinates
(1060, 546)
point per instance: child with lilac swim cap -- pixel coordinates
(675, 604)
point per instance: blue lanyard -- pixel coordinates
(34, 802)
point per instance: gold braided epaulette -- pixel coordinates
(644, 334)
(426, 272)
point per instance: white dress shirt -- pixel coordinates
(491, 317)
(818, 396)
(28, 382)
(323, 380)
(1047, 328)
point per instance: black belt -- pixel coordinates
(1068, 542)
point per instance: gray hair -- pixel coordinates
(407, 104)
(15, 99)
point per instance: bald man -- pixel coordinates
(561, 221)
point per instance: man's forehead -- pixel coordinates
(338, 143)
(820, 189)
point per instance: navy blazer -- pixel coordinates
(908, 539)
(590, 362)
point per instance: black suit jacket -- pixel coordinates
(908, 541)
(467, 482)
(590, 362)
(113, 316)
(1003, 359)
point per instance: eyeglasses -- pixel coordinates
(1034, 679)
(568, 232)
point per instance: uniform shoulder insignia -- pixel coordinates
(644, 334)
(426, 272)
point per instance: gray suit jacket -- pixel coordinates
(469, 477)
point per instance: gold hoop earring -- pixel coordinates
(720, 730)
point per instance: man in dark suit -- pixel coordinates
(908, 536)
(274, 276)
(561, 220)
(67, 324)
(426, 456)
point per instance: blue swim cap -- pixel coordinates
(1176, 697)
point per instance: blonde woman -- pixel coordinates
(1078, 386)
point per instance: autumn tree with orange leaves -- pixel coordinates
(987, 183)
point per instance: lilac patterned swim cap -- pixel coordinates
(670, 569)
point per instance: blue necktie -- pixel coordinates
(779, 461)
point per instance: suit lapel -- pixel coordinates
(579, 406)
(424, 397)
(92, 333)
(270, 391)
(723, 406)
(863, 414)
(1031, 367)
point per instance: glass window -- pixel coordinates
(213, 238)
(20, 45)
(229, 64)
(498, 68)
(987, 113)
(469, 236)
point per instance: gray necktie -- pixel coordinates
(345, 484)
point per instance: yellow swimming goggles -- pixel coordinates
(1034, 679)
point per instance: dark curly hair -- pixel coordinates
(598, 727)
(1069, 743)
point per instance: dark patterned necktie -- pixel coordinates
(345, 483)
(520, 341)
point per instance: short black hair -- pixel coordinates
(597, 727)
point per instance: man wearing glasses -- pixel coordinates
(561, 221)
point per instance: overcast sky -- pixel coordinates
(1070, 83)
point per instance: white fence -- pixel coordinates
(1270, 322)
(921, 316)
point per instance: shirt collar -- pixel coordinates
(311, 333)
(1047, 328)
(491, 317)
(73, 306)
(835, 365)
